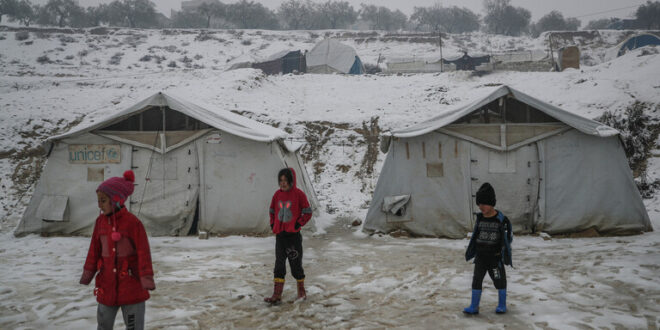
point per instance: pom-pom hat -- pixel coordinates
(118, 188)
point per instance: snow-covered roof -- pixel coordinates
(277, 55)
(580, 123)
(332, 53)
(220, 119)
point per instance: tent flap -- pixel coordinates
(54, 208)
(395, 204)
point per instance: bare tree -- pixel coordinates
(297, 14)
(338, 14)
(251, 15)
(382, 18)
(648, 15)
(211, 10)
(502, 18)
(61, 11)
(554, 21)
(445, 19)
(24, 12)
(8, 7)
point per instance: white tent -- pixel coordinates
(195, 168)
(329, 56)
(553, 171)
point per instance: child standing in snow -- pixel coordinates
(491, 245)
(119, 252)
(289, 211)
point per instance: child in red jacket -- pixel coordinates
(289, 211)
(119, 252)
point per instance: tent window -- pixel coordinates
(53, 208)
(151, 120)
(491, 113)
(509, 111)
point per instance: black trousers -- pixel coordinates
(289, 246)
(495, 269)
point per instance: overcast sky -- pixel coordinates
(570, 8)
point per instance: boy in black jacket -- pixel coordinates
(491, 245)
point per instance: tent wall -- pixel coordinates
(238, 185)
(78, 182)
(565, 183)
(589, 184)
(434, 170)
(322, 69)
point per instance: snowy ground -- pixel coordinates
(354, 281)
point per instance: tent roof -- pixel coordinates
(580, 123)
(332, 53)
(278, 55)
(220, 119)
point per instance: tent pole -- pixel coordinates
(440, 44)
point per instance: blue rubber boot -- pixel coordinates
(474, 306)
(501, 302)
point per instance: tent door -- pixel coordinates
(515, 177)
(166, 189)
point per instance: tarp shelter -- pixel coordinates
(467, 62)
(553, 171)
(195, 169)
(637, 41)
(329, 56)
(283, 62)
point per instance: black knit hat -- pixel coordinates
(486, 195)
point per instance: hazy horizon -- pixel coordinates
(585, 10)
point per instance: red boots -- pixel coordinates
(277, 292)
(279, 286)
(301, 289)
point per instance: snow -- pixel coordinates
(353, 280)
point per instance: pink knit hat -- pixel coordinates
(118, 189)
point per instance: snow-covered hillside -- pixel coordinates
(56, 79)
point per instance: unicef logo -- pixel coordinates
(112, 154)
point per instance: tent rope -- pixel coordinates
(148, 173)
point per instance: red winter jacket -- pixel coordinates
(124, 267)
(289, 210)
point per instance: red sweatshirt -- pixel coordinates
(289, 210)
(124, 267)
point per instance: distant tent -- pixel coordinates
(553, 171)
(467, 62)
(283, 62)
(330, 56)
(637, 41)
(196, 169)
